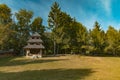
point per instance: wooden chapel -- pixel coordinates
(35, 46)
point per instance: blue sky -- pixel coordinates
(106, 12)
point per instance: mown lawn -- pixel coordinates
(71, 67)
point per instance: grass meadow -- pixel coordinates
(70, 67)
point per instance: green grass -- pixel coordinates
(70, 67)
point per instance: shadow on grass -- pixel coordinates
(9, 61)
(52, 74)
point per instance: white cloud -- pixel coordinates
(89, 23)
(106, 4)
(86, 19)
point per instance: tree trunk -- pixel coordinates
(54, 47)
(57, 48)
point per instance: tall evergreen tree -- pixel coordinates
(98, 38)
(53, 21)
(82, 37)
(112, 41)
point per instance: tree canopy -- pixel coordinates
(64, 34)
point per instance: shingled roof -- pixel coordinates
(34, 42)
(34, 47)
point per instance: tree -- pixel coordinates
(37, 26)
(63, 32)
(98, 38)
(24, 18)
(112, 41)
(53, 21)
(5, 14)
(22, 27)
(48, 42)
(5, 27)
(82, 37)
(5, 36)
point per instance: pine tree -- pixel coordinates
(112, 41)
(98, 39)
(53, 21)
